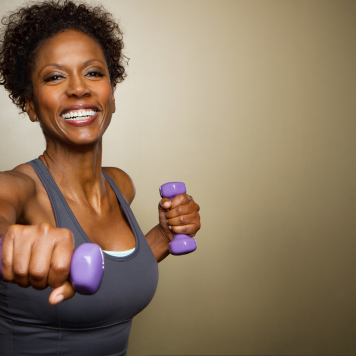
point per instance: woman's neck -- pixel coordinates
(77, 171)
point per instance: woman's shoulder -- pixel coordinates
(17, 188)
(20, 178)
(122, 181)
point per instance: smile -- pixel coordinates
(78, 115)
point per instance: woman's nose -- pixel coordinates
(77, 87)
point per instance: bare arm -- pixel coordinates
(37, 255)
(15, 190)
(179, 216)
(158, 242)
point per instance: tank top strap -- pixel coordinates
(127, 210)
(62, 212)
(50, 186)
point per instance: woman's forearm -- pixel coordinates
(158, 242)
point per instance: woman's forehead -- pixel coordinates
(69, 47)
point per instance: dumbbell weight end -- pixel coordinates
(181, 244)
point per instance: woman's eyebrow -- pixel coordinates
(93, 60)
(50, 64)
(62, 67)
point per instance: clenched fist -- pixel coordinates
(38, 256)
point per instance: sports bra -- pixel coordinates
(97, 325)
(120, 253)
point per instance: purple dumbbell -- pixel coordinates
(86, 268)
(181, 244)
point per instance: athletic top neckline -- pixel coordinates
(121, 200)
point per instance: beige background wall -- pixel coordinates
(252, 104)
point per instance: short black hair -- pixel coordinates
(26, 30)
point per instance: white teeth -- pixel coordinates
(78, 114)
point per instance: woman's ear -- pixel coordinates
(113, 104)
(30, 109)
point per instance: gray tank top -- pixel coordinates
(84, 325)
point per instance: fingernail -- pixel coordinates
(169, 227)
(58, 299)
(166, 204)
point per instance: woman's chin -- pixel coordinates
(87, 140)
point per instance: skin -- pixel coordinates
(70, 69)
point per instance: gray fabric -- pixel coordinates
(84, 325)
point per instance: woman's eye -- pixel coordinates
(53, 78)
(95, 74)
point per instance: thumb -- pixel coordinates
(64, 292)
(163, 207)
(165, 204)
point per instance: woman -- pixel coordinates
(61, 63)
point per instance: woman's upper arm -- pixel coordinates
(123, 182)
(15, 190)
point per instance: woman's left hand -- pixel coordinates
(179, 216)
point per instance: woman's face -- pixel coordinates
(72, 93)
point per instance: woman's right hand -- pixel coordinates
(38, 256)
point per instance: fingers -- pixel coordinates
(40, 257)
(165, 204)
(182, 204)
(64, 292)
(37, 256)
(181, 199)
(39, 265)
(16, 255)
(61, 259)
(187, 224)
(183, 216)
(7, 249)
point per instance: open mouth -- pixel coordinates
(78, 115)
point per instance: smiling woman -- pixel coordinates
(71, 77)
(61, 62)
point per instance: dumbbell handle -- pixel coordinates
(181, 244)
(86, 268)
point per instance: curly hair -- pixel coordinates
(27, 29)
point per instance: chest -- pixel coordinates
(108, 227)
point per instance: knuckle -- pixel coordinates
(64, 237)
(44, 228)
(179, 210)
(184, 230)
(182, 220)
(20, 272)
(38, 275)
(5, 264)
(12, 231)
(67, 234)
(60, 268)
